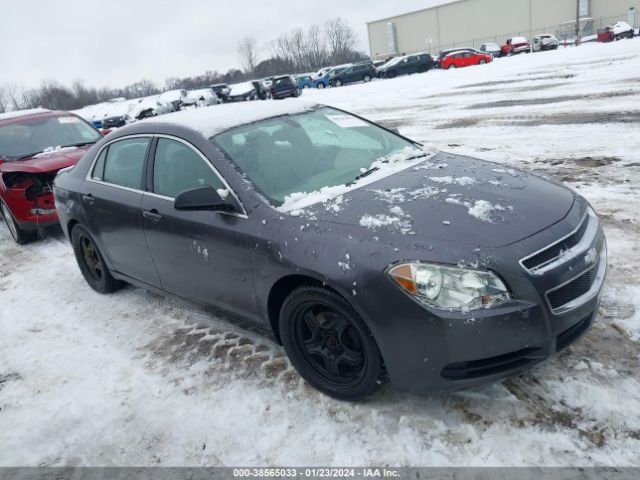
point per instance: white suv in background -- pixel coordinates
(544, 41)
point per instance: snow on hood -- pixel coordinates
(497, 208)
(210, 121)
(54, 151)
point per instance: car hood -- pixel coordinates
(44, 163)
(453, 199)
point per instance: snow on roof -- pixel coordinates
(242, 88)
(429, 5)
(22, 113)
(210, 121)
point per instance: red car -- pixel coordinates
(515, 45)
(34, 146)
(464, 59)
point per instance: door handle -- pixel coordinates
(152, 215)
(88, 199)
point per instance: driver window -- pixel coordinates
(177, 168)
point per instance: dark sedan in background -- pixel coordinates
(406, 65)
(366, 255)
(360, 72)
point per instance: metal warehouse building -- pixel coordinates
(457, 23)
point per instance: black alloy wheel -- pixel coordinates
(329, 344)
(91, 263)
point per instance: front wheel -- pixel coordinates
(482, 61)
(451, 67)
(19, 235)
(91, 263)
(320, 86)
(329, 344)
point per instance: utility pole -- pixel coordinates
(577, 21)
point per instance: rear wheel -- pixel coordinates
(451, 67)
(91, 263)
(329, 344)
(366, 78)
(320, 85)
(482, 61)
(338, 83)
(19, 235)
(391, 74)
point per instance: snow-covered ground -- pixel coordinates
(136, 379)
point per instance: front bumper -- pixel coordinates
(429, 350)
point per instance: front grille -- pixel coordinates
(572, 290)
(554, 251)
(491, 366)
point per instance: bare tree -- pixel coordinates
(13, 94)
(341, 40)
(248, 53)
(4, 102)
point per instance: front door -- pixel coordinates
(200, 255)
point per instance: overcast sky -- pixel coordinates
(116, 42)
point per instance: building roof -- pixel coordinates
(210, 121)
(429, 5)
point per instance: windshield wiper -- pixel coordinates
(374, 169)
(79, 144)
(28, 155)
(366, 173)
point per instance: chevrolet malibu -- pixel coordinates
(368, 256)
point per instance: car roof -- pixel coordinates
(16, 116)
(210, 121)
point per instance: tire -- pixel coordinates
(392, 74)
(452, 66)
(482, 61)
(366, 78)
(338, 83)
(329, 344)
(320, 86)
(19, 235)
(91, 263)
(306, 85)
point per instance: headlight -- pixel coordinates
(450, 288)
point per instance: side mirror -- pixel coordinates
(203, 198)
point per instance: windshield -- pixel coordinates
(30, 137)
(309, 151)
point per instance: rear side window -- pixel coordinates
(124, 162)
(98, 169)
(178, 168)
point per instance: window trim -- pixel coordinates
(89, 176)
(152, 163)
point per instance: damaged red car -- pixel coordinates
(34, 145)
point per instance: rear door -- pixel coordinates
(112, 202)
(200, 255)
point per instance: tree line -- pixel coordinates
(297, 51)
